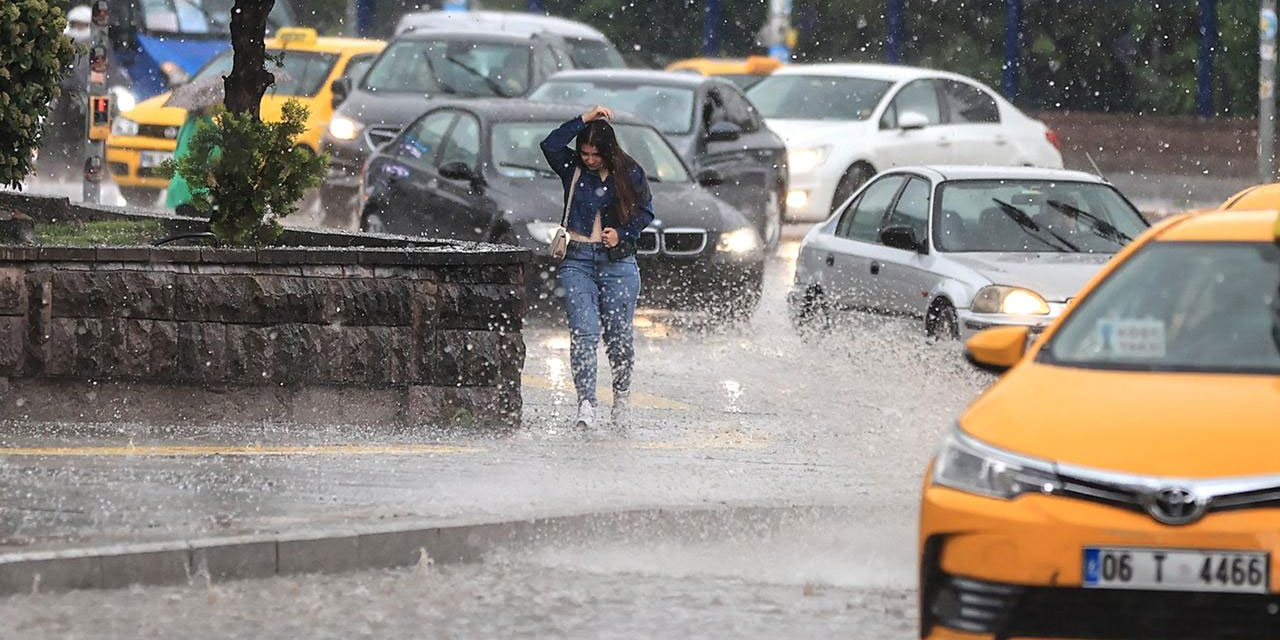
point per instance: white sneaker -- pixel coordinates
(621, 411)
(586, 415)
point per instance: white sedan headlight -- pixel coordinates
(806, 159)
(122, 126)
(965, 464)
(1010, 300)
(543, 231)
(344, 128)
(738, 241)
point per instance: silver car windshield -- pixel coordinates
(452, 66)
(670, 109)
(1180, 306)
(1033, 216)
(817, 97)
(516, 153)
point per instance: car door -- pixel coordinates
(460, 208)
(744, 178)
(849, 279)
(974, 124)
(411, 209)
(896, 146)
(906, 277)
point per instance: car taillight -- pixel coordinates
(1052, 137)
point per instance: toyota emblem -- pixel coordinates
(1175, 505)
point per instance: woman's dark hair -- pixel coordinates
(600, 135)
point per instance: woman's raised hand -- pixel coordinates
(598, 111)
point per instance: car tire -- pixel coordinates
(140, 196)
(771, 226)
(810, 310)
(853, 178)
(941, 322)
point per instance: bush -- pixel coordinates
(32, 60)
(249, 174)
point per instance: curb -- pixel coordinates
(349, 548)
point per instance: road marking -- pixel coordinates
(244, 450)
(639, 399)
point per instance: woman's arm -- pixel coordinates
(556, 147)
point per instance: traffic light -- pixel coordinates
(99, 117)
(98, 58)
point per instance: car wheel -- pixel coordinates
(941, 322)
(771, 229)
(140, 196)
(858, 174)
(810, 310)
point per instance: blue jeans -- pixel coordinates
(599, 295)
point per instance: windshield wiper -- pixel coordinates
(529, 167)
(1032, 229)
(489, 82)
(1100, 227)
(652, 178)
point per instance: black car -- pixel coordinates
(473, 170)
(707, 119)
(415, 67)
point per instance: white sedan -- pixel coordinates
(843, 123)
(963, 248)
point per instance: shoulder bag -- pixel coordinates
(560, 238)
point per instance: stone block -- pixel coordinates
(92, 350)
(511, 355)
(481, 306)
(19, 254)
(331, 551)
(152, 564)
(203, 352)
(235, 558)
(61, 353)
(247, 299)
(112, 294)
(365, 301)
(133, 351)
(13, 292)
(164, 351)
(49, 572)
(386, 549)
(215, 255)
(457, 407)
(465, 358)
(13, 337)
(250, 353)
(68, 254)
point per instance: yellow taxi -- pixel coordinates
(1262, 196)
(145, 136)
(1122, 479)
(743, 72)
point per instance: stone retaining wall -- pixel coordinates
(423, 335)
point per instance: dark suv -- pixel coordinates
(414, 67)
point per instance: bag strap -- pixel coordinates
(577, 172)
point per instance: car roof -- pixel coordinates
(518, 110)
(1262, 196)
(992, 172)
(480, 35)
(1224, 226)
(889, 72)
(525, 24)
(638, 76)
(328, 45)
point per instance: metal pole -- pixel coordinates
(455, 5)
(364, 18)
(1267, 91)
(777, 29)
(711, 28)
(1012, 50)
(98, 121)
(1208, 43)
(535, 6)
(893, 18)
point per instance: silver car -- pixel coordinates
(963, 248)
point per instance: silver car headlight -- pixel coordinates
(344, 128)
(968, 465)
(122, 126)
(1011, 300)
(738, 241)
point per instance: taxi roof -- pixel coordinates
(327, 44)
(1263, 196)
(1224, 226)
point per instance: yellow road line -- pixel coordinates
(638, 399)
(243, 450)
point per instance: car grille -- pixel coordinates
(684, 242)
(648, 242)
(378, 136)
(165, 131)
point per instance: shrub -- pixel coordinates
(33, 58)
(248, 174)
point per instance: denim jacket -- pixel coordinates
(593, 194)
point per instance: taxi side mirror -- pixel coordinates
(340, 88)
(997, 349)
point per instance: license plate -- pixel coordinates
(1176, 569)
(151, 159)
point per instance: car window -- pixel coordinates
(302, 74)
(738, 109)
(594, 54)
(463, 67)
(670, 109)
(422, 141)
(798, 97)
(868, 213)
(1217, 314)
(463, 144)
(920, 96)
(1033, 216)
(357, 65)
(912, 208)
(201, 16)
(968, 104)
(713, 110)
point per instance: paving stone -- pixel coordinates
(235, 558)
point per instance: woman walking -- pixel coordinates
(608, 202)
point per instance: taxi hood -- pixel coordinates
(1187, 425)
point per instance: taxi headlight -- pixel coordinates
(543, 231)
(124, 98)
(122, 126)
(738, 241)
(344, 128)
(1011, 300)
(965, 464)
(807, 159)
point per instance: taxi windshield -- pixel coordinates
(1180, 306)
(303, 73)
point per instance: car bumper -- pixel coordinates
(818, 189)
(971, 323)
(124, 159)
(992, 568)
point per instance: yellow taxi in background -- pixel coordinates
(145, 136)
(1122, 480)
(743, 72)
